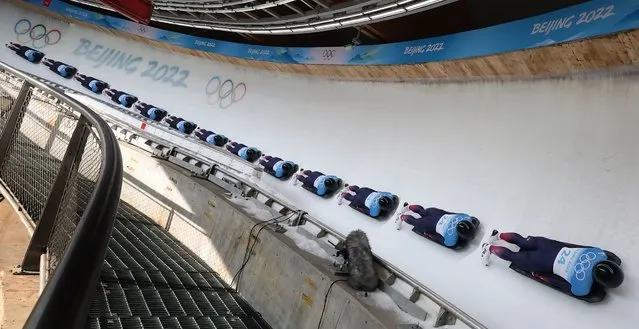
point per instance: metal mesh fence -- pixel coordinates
(149, 279)
(35, 152)
(76, 196)
(9, 88)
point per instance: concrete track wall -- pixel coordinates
(286, 284)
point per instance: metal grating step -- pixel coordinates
(174, 259)
(154, 302)
(137, 249)
(112, 259)
(175, 323)
(122, 254)
(150, 280)
(183, 251)
(139, 241)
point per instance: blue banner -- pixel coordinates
(587, 20)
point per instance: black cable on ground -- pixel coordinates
(249, 250)
(248, 242)
(319, 325)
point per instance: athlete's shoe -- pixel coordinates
(485, 254)
(494, 236)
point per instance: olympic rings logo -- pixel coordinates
(38, 34)
(584, 265)
(225, 93)
(328, 54)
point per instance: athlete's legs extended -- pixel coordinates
(353, 188)
(518, 240)
(301, 176)
(230, 146)
(349, 197)
(349, 194)
(415, 208)
(171, 120)
(409, 218)
(507, 255)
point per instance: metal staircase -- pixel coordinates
(150, 280)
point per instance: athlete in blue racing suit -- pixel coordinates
(569, 267)
(278, 167)
(211, 137)
(120, 97)
(64, 70)
(91, 83)
(180, 124)
(150, 111)
(367, 200)
(30, 54)
(317, 182)
(249, 154)
(443, 227)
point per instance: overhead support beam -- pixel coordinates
(369, 34)
(293, 8)
(326, 14)
(251, 15)
(379, 36)
(321, 3)
(270, 12)
(230, 16)
(250, 37)
(307, 4)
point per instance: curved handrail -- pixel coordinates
(67, 296)
(422, 288)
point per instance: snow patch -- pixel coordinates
(384, 301)
(257, 210)
(253, 208)
(308, 245)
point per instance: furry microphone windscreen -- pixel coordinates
(360, 262)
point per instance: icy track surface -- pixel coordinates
(544, 190)
(556, 158)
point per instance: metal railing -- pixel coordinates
(232, 173)
(61, 167)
